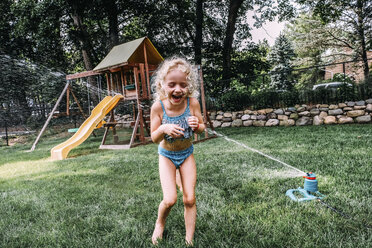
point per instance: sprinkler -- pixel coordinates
(310, 188)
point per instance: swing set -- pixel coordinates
(127, 69)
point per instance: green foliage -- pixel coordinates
(309, 38)
(45, 33)
(281, 57)
(328, 10)
(340, 77)
(250, 61)
(347, 26)
(310, 41)
(36, 32)
(234, 98)
(306, 79)
(5, 26)
(269, 98)
(238, 99)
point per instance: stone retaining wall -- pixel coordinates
(299, 115)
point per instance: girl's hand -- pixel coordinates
(173, 130)
(193, 122)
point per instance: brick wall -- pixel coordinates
(354, 70)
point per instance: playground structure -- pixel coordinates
(127, 68)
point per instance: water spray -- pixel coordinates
(310, 190)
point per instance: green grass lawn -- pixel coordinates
(106, 198)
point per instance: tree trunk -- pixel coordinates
(362, 37)
(112, 16)
(86, 47)
(199, 31)
(234, 6)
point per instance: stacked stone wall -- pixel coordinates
(299, 115)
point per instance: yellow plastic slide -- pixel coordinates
(60, 151)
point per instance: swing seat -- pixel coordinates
(306, 195)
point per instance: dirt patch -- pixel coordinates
(18, 140)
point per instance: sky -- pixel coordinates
(270, 30)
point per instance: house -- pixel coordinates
(352, 69)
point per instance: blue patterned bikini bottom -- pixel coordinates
(177, 157)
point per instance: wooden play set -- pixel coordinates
(127, 68)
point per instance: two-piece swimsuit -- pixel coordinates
(177, 157)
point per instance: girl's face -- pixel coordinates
(176, 86)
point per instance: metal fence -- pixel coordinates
(351, 90)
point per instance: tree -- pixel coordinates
(307, 33)
(234, 6)
(111, 10)
(281, 56)
(74, 36)
(80, 32)
(351, 23)
(31, 29)
(237, 29)
(5, 26)
(199, 32)
(30, 35)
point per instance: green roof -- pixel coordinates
(130, 52)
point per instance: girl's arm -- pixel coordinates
(155, 119)
(196, 121)
(158, 130)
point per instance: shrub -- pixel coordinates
(236, 98)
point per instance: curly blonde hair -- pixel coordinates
(171, 64)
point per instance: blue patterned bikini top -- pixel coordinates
(180, 120)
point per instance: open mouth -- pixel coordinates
(177, 98)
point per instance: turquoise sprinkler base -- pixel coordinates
(307, 196)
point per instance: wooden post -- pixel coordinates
(125, 79)
(134, 111)
(144, 88)
(147, 71)
(50, 116)
(203, 99)
(112, 114)
(134, 130)
(108, 84)
(122, 81)
(68, 101)
(117, 82)
(105, 135)
(140, 115)
(131, 78)
(113, 82)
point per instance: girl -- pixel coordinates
(175, 115)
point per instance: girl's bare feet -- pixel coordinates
(157, 234)
(189, 243)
